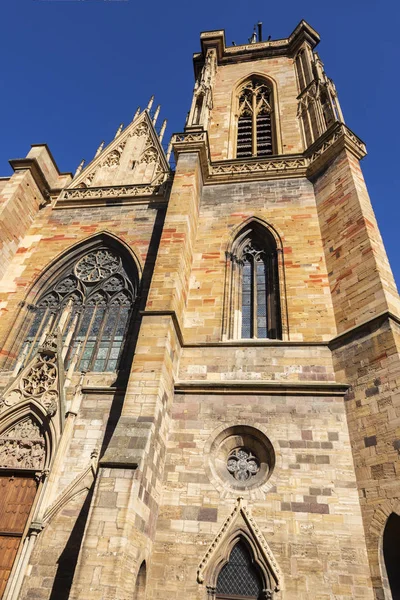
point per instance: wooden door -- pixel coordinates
(17, 493)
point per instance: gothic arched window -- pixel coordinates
(91, 303)
(391, 553)
(255, 136)
(239, 578)
(253, 295)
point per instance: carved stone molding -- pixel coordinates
(117, 191)
(337, 137)
(38, 381)
(242, 522)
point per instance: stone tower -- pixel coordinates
(199, 367)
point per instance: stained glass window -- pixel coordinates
(239, 577)
(254, 135)
(92, 303)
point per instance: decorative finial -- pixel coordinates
(80, 167)
(99, 149)
(150, 104)
(120, 128)
(162, 130)
(156, 114)
(137, 113)
(169, 150)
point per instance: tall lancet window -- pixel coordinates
(253, 286)
(255, 120)
(91, 302)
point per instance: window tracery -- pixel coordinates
(242, 464)
(254, 289)
(91, 303)
(254, 129)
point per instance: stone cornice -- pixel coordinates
(100, 196)
(264, 49)
(363, 328)
(292, 388)
(286, 166)
(32, 165)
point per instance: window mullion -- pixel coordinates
(254, 298)
(99, 334)
(112, 334)
(84, 341)
(254, 124)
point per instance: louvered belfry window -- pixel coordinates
(92, 302)
(254, 133)
(239, 578)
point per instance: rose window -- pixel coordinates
(96, 266)
(242, 464)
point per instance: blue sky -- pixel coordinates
(73, 70)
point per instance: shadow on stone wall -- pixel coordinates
(68, 559)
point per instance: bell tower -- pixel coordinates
(200, 367)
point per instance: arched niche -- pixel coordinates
(140, 585)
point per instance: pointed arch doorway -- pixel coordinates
(22, 461)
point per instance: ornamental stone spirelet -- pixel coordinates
(242, 464)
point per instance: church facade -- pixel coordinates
(199, 366)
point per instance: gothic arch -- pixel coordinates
(270, 81)
(141, 581)
(376, 533)
(267, 237)
(59, 268)
(27, 441)
(240, 527)
(63, 260)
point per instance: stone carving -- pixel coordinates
(280, 167)
(189, 137)
(90, 178)
(49, 344)
(41, 376)
(242, 464)
(96, 266)
(118, 191)
(22, 446)
(38, 381)
(240, 516)
(112, 159)
(266, 166)
(141, 129)
(149, 156)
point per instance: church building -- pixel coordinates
(199, 366)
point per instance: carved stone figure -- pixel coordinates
(22, 446)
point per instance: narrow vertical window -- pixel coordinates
(259, 292)
(254, 129)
